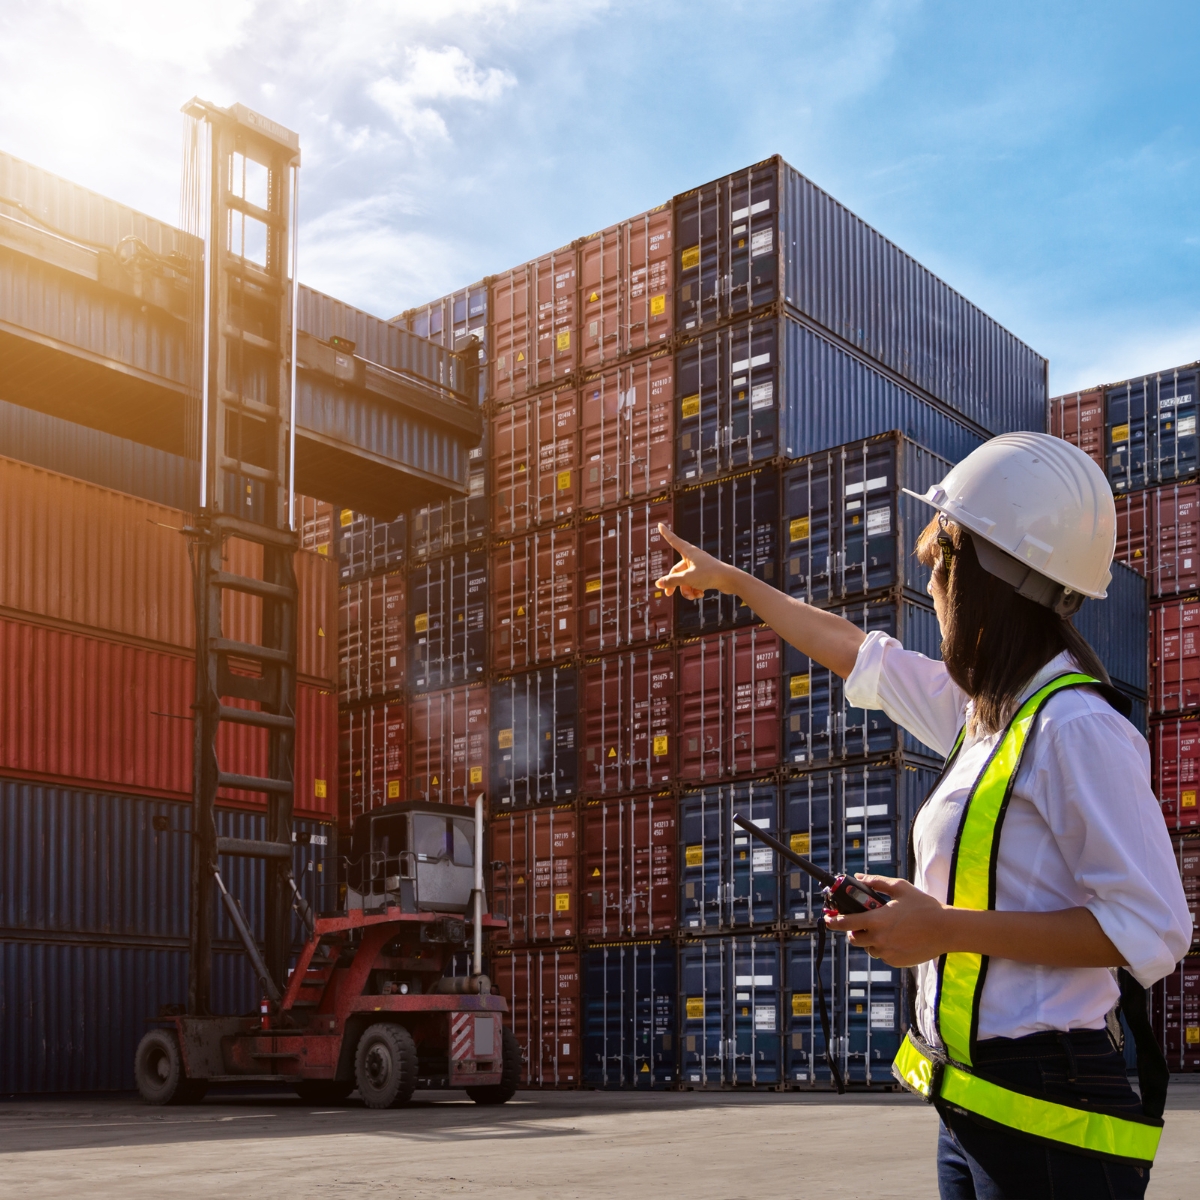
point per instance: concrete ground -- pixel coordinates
(556, 1145)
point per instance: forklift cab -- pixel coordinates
(414, 855)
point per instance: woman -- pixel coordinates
(1040, 860)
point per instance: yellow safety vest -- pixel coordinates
(946, 1074)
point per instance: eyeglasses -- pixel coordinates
(945, 544)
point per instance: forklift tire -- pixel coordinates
(324, 1091)
(158, 1070)
(385, 1066)
(510, 1076)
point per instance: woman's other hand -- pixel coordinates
(696, 573)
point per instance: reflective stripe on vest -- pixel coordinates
(948, 1077)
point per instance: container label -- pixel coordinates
(1192, 1035)
(593, 585)
(1120, 433)
(762, 242)
(562, 901)
(883, 1015)
(695, 1008)
(879, 521)
(1175, 401)
(504, 739)
(762, 861)
(563, 340)
(393, 789)
(658, 305)
(689, 258)
(798, 529)
(319, 788)
(476, 775)
(870, 977)
(693, 856)
(801, 843)
(421, 623)
(879, 847)
(1187, 800)
(346, 516)
(690, 407)
(800, 685)
(754, 981)
(764, 1016)
(564, 480)
(1186, 427)
(762, 395)
(802, 1004)
(660, 744)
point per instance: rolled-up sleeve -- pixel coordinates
(915, 691)
(1096, 797)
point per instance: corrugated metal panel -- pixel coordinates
(448, 757)
(542, 988)
(1079, 419)
(1175, 757)
(534, 748)
(1158, 536)
(448, 320)
(366, 546)
(1174, 675)
(535, 461)
(448, 607)
(535, 602)
(1151, 428)
(371, 757)
(460, 521)
(1118, 628)
(534, 859)
(371, 625)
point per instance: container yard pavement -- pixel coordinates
(542, 1144)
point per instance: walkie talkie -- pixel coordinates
(842, 893)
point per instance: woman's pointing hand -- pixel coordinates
(696, 572)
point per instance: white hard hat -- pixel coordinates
(1045, 506)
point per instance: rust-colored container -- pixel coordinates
(371, 626)
(448, 757)
(628, 423)
(1175, 656)
(729, 704)
(628, 867)
(314, 519)
(1158, 535)
(371, 757)
(625, 291)
(534, 883)
(535, 607)
(543, 994)
(629, 721)
(1175, 755)
(1078, 418)
(535, 461)
(535, 339)
(85, 710)
(623, 554)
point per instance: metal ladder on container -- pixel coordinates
(247, 451)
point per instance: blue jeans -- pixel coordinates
(981, 1162)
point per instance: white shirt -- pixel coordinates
(1083, 829)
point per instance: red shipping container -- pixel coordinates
(535, 461)
(534, 603)
(92, 711)
(1158, 535)
(628, 721)
(371, 627)
(1079, 418)
(534, 885)
(628, 860)
(1188, 851)
(543, 994)
(314, 519)
(1174, 656)
(449, 745)
(729, 707)
(534, 325)
(1175, 745)
(371, 755)
(622, 555)
(628, 421)
(625, 287)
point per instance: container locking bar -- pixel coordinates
(253, 848)
(254, 783)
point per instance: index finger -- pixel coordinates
(684, 547)
(851, 922)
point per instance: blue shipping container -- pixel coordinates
(460, 521)
(367, 546)
(730, 1019)
(1151, 429)
(727, 881)
(535, 744)
(1118, 630)
(447, 632)
(629, 1037)
(451, 319)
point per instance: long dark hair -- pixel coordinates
(995, 641)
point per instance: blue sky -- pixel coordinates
(1044, 159)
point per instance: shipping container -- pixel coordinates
(535, 327)
(367, 546)
(627, 859)
(820, 726)
(625, 277)
(82, 710)
(729, 704)
(735, 519)
(1174, 656)
(627, 439)
(627, 731)
(448, 748)
(535, 605)
(850, 528)
(755, 390)
(371, 626)
(1175, 759)
(535, 461)
(629, 1016)
(542, 988)
(1078, 418)
(1158, 535)
(371, 756)
(1118, 629)
(534, 748)
(534, 862)
(450, 320)
(447, 605)
(1151, 429)
(457, 522)
(766, 233)
(623, 555)
(847, 819)
(730, 1018)
(727, 880)
(1175, 1004)
(316, 523)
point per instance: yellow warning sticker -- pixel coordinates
(320, 631)
(658, 305)
(593, 297)
(562, 902)
(1187, 800)
(695, 1008)
(521, 356)
(421, 623)
(645, 1069)
(595, 872)
(592, 585)
(393, 789)
(323, 549)
(346, 516)
(798, 529)
(690, 406)
(476, 775)
(800, 686)
(563, 340)
(801, 843)
(1120, 433)
(504, 739)
(612, 752)
(693, 856)
(1192, 1034)
(319, 788)
(802, 1004)
(433, 781)
(660, 744)
(564, 480)
(689, 258)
